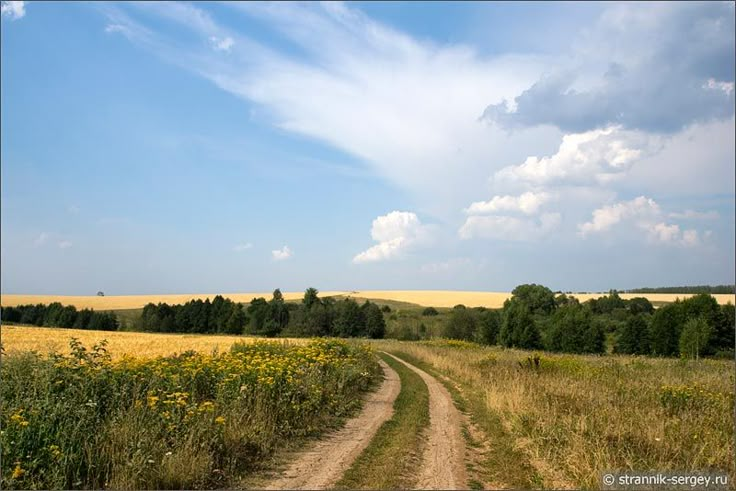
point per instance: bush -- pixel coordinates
(430, 311)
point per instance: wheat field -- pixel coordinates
(139, 344)
(427, 298)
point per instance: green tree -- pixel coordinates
(665, 329)
(489, 326)
(633, 338)
(573, 331)
(375, 325)
(310, 298)
(539, 299)
(518, 328)
(694, 337)
(461, 324)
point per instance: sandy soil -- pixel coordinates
(322, 465)
(443, 465)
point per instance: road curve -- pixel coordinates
(324, 463)
(443, 463)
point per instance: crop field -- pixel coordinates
(130, 414)
(426, 298)
(194, 420)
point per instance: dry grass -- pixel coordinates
(577, 416)
(141, 344)
(433, 298)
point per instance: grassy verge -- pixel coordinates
(499, 462)
(390, 459)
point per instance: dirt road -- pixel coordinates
(443, 464)
(323, 464)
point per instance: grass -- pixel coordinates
(49, 339)
(181, 422)
(575, 416)
(495, 461)
(390, 460)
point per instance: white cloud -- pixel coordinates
(500, 227)
(645, 214)
(528, 203)
(713, 84)
(13, 10)
(110, 28)
(597, 156)
(281, 254)
(64, 244)
(242, 247)
(222, 44)
(695, 215)
(607, 216)
(41, 239)
(395, 232)
(73, 209)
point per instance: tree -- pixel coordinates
(429, 311)
(348, 320)
(258, 312)
(633, 339)
(573, 331)
(310, 298)
(640, 305)
(489, 325)
(694, 337)
(538, 298)
(461, 324)
(518, 328)
(375, 325)
(665, 329)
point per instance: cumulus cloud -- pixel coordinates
(645, 214)
(281, 254)
(501, 227)
(661, 66)
(596, 156)
(221, 44)
(243, 247)
(12, 9)
(604, 218)
(395, 233)
(528, 203)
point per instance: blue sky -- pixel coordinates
(217, 147)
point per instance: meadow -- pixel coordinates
(183, 421)
(568, 418)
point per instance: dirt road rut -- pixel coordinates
(322, 465)
(443, 464)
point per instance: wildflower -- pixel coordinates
(152, 400)
(220, 420)
(18, 472)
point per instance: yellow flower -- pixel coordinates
(18, 472)
(220, 420)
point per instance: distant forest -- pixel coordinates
(718, 289)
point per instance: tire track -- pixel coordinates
(323, 464)
(443, 463)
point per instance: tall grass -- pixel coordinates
(576, 416)
(179, 422)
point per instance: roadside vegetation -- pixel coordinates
(185, 421)
(574, 416)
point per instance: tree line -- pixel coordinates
(313, 316)
(58, 315)
(536, 318)
(718, 289)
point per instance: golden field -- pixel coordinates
(140, 344)
(427, 298)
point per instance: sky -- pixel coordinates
(152, 148)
